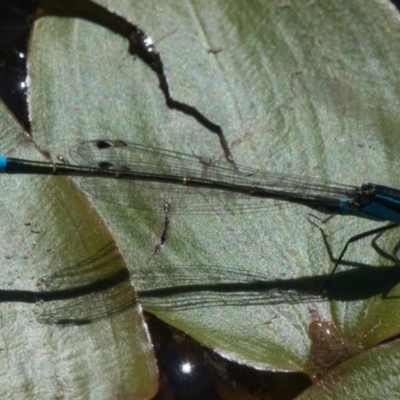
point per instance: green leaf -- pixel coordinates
(61, 271)
(299, 87)
(350, 380)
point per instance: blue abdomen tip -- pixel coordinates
(3, 164)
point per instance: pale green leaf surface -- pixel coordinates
(60, 335)
(309, 88)
(372, 375)
(307, 85)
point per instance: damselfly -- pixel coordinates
(120, 172)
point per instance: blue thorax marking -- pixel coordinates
(334, 206)
(384, 205)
